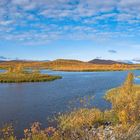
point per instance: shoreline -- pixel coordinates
(26, 78)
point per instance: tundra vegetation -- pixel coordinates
(17, 74)
(70, 65)
(121, 122)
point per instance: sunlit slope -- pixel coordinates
(69, 65)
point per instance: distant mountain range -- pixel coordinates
(107, 62)
(94, 61)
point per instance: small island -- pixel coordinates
(19, 75)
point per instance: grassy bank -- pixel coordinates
(122, 121)
(18, 75)
(18, 78)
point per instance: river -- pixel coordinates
(24, 103)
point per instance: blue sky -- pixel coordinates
(71, 29)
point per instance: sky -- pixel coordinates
(70, 29)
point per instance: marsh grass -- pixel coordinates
(80, 118)
(18, 78)
(124, 114)
(18, 75)
(126, 101)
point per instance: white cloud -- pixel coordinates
(6, 22)
(43, 20)
(130, 6)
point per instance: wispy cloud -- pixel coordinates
(45, 20)
(112, 51)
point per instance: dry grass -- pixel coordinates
(69, 65)
(80, 118)
(20, 78)
(18, 75)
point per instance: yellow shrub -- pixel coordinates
(79, 118)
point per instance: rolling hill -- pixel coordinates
(105, 62)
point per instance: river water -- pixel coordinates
(25, 103)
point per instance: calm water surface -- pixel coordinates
(25, 103)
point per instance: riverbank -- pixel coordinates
(120, 122)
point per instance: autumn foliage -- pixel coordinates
(69, 65)
(126, 101)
